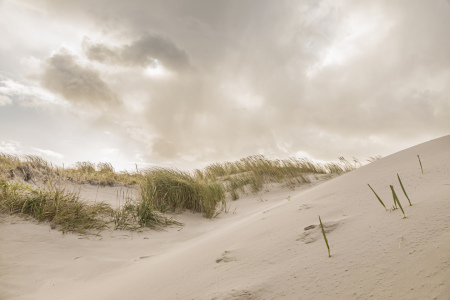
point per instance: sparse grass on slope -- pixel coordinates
(100, 174)
(34, 169)
(58, 206)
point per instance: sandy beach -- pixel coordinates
(263, 248)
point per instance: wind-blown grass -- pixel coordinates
(175, 191)
(32, 168)
(64, 209)
(256, 171)
(58, 206)
(101, 174)
(161, 190)
(265, 167)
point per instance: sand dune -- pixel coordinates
(262, 250)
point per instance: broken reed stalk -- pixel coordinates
(420, 163)
(396, 200)
(325, 237)
(377, 197)
(404, 190)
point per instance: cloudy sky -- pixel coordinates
(186, 83)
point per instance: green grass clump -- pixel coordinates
(401, 184)
(61, 208)
(377, 197)
(134, 215)
(325, 237)
(394, 195)
(173, 190)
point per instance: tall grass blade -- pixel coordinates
(404, 190)
(325, 237)
(396, 200)
(377, 197)
(420, 163)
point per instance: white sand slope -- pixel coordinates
(262, 251)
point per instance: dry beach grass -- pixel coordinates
(32, 187)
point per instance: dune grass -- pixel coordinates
(379, 199)
(254, 172)
(64, 210)
(420, 163)
(101, 174)
(57, 206)
(374, 158)
(134, 215)
(401, 184)
(394, 195)
(32, 168)
(175, 191)
(272, 168)
(32, 187)
(325, 237)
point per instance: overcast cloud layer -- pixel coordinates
(202, 81)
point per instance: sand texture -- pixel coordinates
(269, 246)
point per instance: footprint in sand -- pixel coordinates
(314, 232)
(237, 294)
(226, 257)
(304, 206)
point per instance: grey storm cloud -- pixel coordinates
(76, 83)
(143, 52)
(263, 78)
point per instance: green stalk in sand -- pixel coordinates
(420, 163)
(404, 190)
(377, 197)
(325, 237)
(396, 200)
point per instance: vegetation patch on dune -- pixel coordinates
(61, 208)
(32, 187)
(175, 191)
(254, 172)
